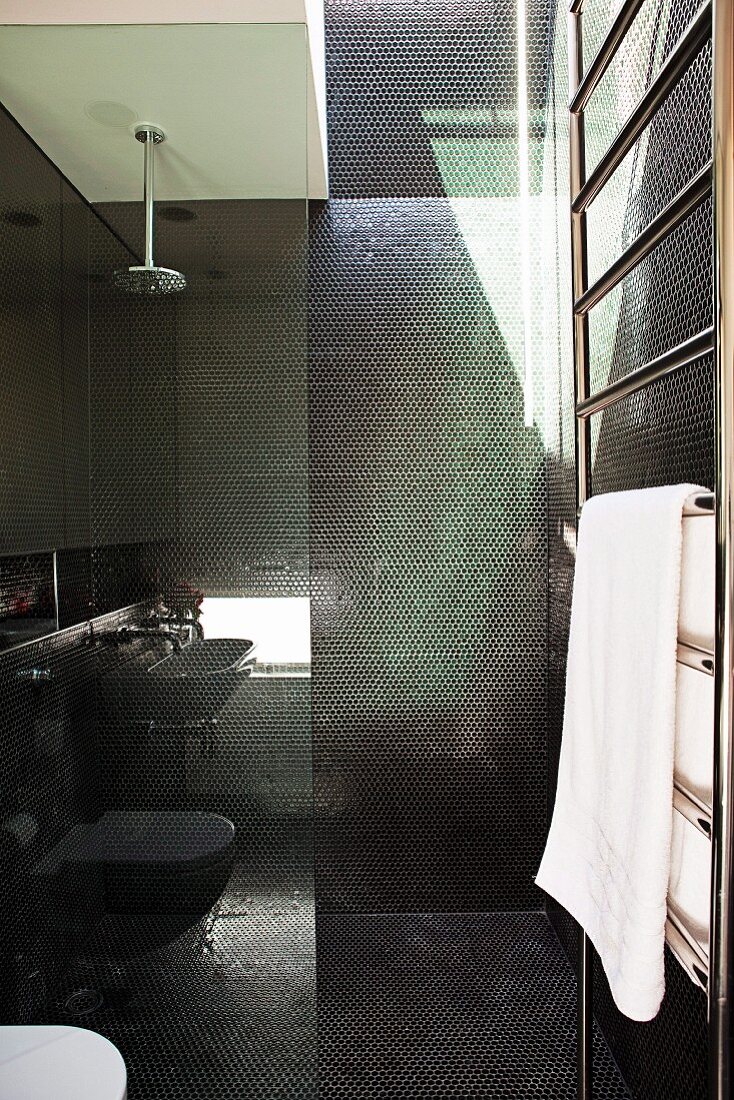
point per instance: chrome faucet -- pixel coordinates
(182, 622)
(178, 629)
(127, 632)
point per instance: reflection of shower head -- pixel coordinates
(147, 279)
(150, 280)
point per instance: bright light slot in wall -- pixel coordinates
(523, 158)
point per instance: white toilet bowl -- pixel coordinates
(59, 1063)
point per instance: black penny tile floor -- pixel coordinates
(421, 1005)
(449, 1005)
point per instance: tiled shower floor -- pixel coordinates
(410, 1005)
(449, 1005)
(221, 1008)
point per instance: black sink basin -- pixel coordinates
(207, 657)
(182, 688)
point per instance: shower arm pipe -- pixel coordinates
(148, 185)
(150, 136)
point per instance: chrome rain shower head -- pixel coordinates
(147, 279)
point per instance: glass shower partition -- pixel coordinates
(204, 957)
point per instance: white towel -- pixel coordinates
(607, 858)
(696, 621)
(690, 878)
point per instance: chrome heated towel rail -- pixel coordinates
(715, 18)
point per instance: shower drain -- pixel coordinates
(83, 1001)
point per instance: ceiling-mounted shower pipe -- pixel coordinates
(149, 279)
(150, 137)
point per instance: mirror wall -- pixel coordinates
(154, 592)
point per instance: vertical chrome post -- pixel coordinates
(579, 270)
(721, 970)
(55, 560)
(579, 282)
(148, 184)
(150, 136)
(585, 1019)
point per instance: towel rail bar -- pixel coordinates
(688, 199)
(670, 73)
(697, 504)
(579, 283)
(721, 985)
(696, 657)
(680, 356)
(692, 808)
(714, 18)
(700, 504)
(605, 55)
(686, 948)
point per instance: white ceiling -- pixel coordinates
(156, 11)
(236, 102)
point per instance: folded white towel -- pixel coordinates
(607, 858)
(697, 584)
(690, 878)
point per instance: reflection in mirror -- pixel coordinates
(156, 826)
(27, 598)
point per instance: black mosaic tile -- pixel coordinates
(430, 674)
(221, 1005)
(655, 30)
(132, 438)
(668, 428)
(126, 573)
(665, 1059)
(216, 501)
(180, 460)
(421, 94)
(48, 232)
(76, 218)
(427, 572)
(665, 158)
(31, 454)
(427, 530)
(658, 305)
(448, 1005)
(253, 765)
(74, 572)
(212, 431)
(50, 788)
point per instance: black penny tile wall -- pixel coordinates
(51, 789)
(182, 443)
(458, 1005)
(663, 434)
(427, 491)
(54, 351)
(31, 291)
(415, 84)
(210, 453)
(48, 680)
(27, 601)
